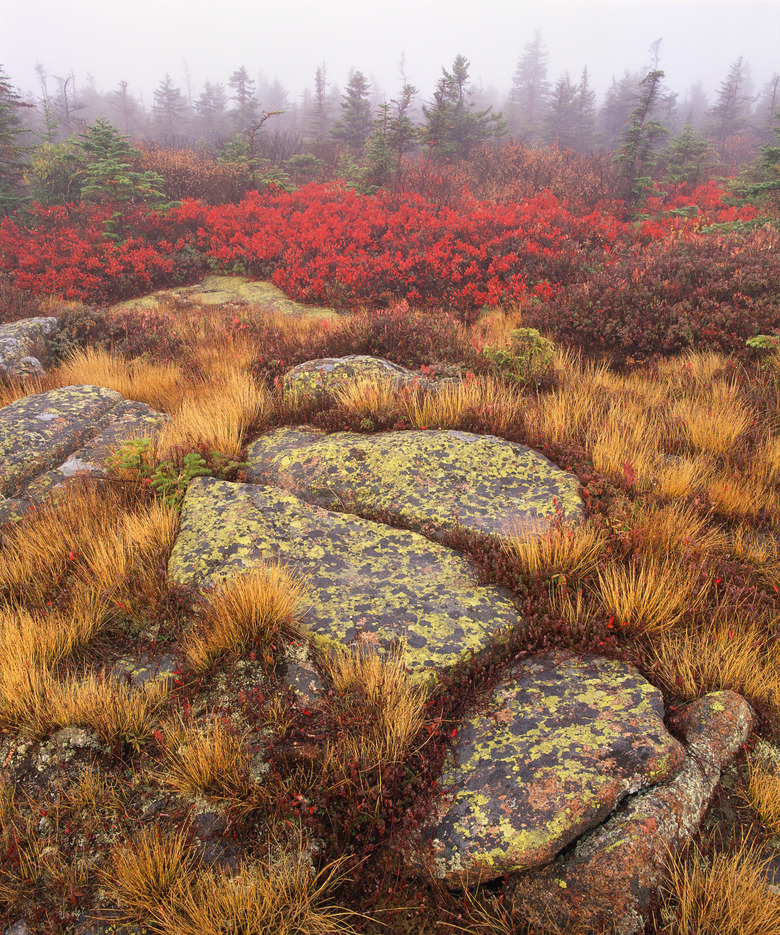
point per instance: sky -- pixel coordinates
(138, 41)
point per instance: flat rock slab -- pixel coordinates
(320, 377)
(367, 583)
(608, 880)
(427, 479)
(18, 340)
(563, 741)
(50, 438)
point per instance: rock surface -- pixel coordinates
(563, 740)
(319, 377)
(49, 438)
(433, 479)
(606, 882)
(367, 583)
(18, 341)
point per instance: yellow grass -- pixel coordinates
(664, 529)
(715, 423)
(208, 759)
(386, 708)
(444, 406)
(676, 476)
(217, 415)
(251, 609)
(737, 498)
(160, 386)
(733, 652)
(368, 398)
(764, 785)
(565, 414)
(18, 389)
(651, 595)
(726, 894)
(567, 551)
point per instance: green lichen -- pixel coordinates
(436, 478)
(366, 582)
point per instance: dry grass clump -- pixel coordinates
(735, 651)
(738, 498)
(560, 551)
(251, 609)
(713, 421)
(677, 476)
(367, 398)
(446, 405)
(763, 792)
(385, 709)
(650, 595)
(206, 759)
(159, 385)
(666, 529)
(35, 701)
(217, 414)
(159, 882)
(726, 893)
(12, 390)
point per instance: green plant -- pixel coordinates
(527, 358)
(168, 480)
(764, 342)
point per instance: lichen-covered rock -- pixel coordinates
(367, 583)
(427, 479)
(319, 377)
(563, 740)
(607, 881)
(49, 438)
(18, 341)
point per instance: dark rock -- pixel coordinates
(562, 741)
(426, 479)
(366, 583)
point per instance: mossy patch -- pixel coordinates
(562, 742)
(367, 583)
(321, 377)
(223, 290)
(425, 478)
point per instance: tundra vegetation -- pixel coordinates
(636, 346)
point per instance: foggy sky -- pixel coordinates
(140, 40)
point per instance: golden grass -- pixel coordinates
(160, 386)
(675, 476)
(763, 793)
(667, 529)
(715, 423)
(734, 651)
(143, 873)
(560, 551)
(208, 759)
(368, 398)
(565, 414)
(281, 895)
(445, 406)
(18, 389)
(217, 414)
(35, 701)
(251, 609)
(726, 894)
(651, 595)
(737, 498)
(386, 708)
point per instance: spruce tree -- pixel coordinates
(13, 151)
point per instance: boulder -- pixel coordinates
(429, 480)
(608, 880)
(562, 740)
(317, 378)
(367, 583)
(20, 341)
(49, 438)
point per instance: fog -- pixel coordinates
(200, 40)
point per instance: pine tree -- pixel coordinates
(13, 152)
(528, 99)
(107, 173)
(168, 110)
(453, 126)
(730, 113)
(355, 124)
(636, 155)
(561, 123)
(245, 114)
(211, 110)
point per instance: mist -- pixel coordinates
(195, 41)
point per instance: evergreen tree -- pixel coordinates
(107, 173)
(126, 107)
(245, 114)
(169, 110)
(528, 99)
(211, 110)
(689, 158)
(319, 115)
(616, 109)
(13, 152)
(636, 155)
(453, 127)
(730, 113)
(586, 114)
(355, 124)
(562, 120)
